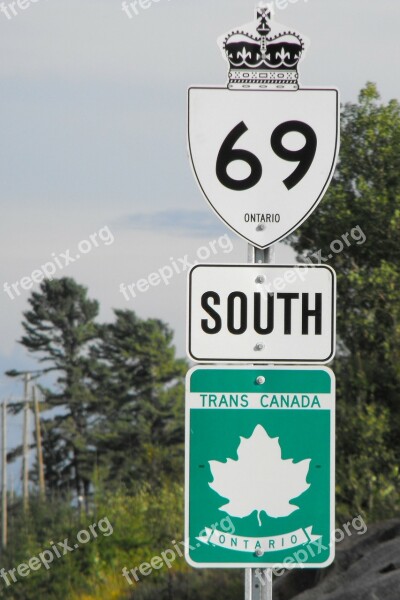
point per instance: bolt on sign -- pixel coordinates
(260, 467)
(262, 313)
(263, 159)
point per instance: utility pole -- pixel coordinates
(4, 477)
(12, 490)
(38, 443)
(25, 457)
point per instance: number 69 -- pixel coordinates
(304, 156)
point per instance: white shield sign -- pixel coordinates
(263, 159)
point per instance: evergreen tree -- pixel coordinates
(139, 435)
(59, 327)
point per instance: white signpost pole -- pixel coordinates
(256, 589)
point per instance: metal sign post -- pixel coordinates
(256, 588)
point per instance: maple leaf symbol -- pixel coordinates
(260, 479)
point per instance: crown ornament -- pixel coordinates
(261, 57)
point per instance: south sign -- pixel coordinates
(261, 313)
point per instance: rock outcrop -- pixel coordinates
(366, 567)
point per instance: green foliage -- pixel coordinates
(118, 392)
(115, 438)
(367, 469)
(32, 533)
(365, 194)
(58, 329)
(140, 430)
(143, 529)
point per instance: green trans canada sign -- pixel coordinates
(260, 467)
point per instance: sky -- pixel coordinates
(93, 139)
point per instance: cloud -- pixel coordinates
(194, 223)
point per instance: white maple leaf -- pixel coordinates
(260, 479)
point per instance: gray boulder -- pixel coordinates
(366, 567)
